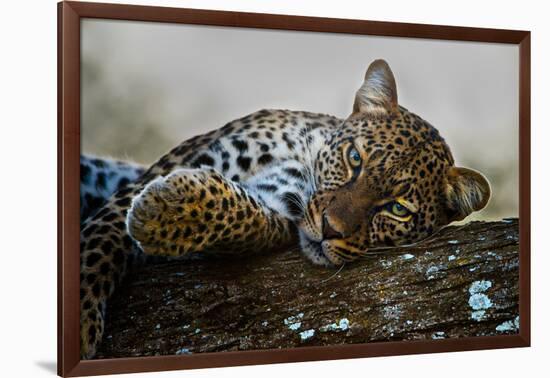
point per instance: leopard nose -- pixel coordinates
(328, 231)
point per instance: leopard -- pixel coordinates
(335, 188)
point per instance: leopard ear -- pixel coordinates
(378, 94)
(466, 191)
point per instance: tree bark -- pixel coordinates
(463, 282)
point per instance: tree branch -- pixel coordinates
(464, 282)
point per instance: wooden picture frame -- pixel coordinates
(69, 17)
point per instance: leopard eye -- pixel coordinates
(398, 210)
(354, 157)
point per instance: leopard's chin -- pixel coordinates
(319, 251)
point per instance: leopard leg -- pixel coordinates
(194, 210)
(106, 249)
(106, 252)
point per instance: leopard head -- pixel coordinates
(384, 178)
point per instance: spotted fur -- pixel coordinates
(381, 177)
(100, 178)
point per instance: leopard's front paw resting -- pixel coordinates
(187, 211)
(91, 329)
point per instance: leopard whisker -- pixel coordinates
(298, 202)
(392, 249)
(335, 274)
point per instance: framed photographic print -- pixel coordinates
(240, 188)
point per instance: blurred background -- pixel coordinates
(148, 86)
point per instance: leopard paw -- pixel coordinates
(184, 212)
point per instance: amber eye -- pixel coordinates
(354, 157)
(398, 210)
